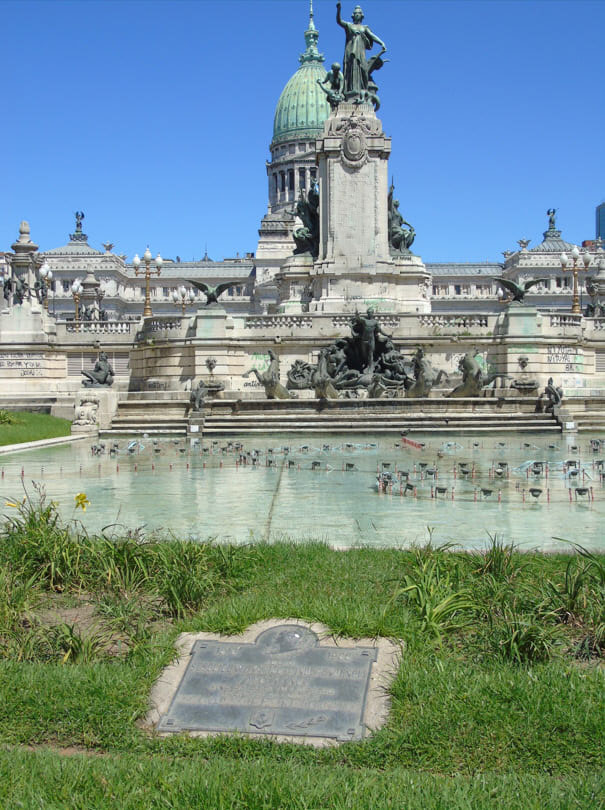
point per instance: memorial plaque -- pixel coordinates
(284, 683)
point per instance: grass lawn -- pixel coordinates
(22, 426)
(499, 701)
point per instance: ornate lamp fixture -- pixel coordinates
(46, 274)
(575, 255)
(183, 298)
(76, 291)
(136, 262)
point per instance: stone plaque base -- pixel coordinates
(284, 682)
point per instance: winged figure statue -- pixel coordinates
(517, 292)
(212, 293)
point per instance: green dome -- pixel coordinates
(302, 107)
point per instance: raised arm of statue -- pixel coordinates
(338, 17)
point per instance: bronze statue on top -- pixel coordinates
(358, 84)
(336, 85)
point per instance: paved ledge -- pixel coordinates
(17, 448)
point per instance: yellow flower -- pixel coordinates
(12, 503)
(82, 501)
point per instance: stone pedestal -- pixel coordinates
(518, 328)
(354, 268)
(396, 285)
(212, 321)
(353, 157)
(26, 323)
(94, 409)
(294, 284)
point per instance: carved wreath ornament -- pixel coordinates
(354, 149)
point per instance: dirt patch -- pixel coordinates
(63, 611)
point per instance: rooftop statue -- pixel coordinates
(336, 86)
(79, 215)
(212, 293)
(551, 218)
(517, 292)
(357, 69)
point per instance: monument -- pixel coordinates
(361, 253)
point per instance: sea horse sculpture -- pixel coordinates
(269, 379)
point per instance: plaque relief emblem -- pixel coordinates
(262, 720)
(354, 150)
(284, 683)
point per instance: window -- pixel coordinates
(142, 291)
(66, 286)
(275, 184)
(302, 182)
(290, 179)
(313, 173)
(282, 176)
(457, 289)
(165, 292)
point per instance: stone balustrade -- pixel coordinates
(168, 324)
(105, 333)
(474, 321)
(594, 324)
(97, 327)
(565, 319)
(278, 322)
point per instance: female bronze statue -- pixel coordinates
(356, 68)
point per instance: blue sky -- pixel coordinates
(154, 118)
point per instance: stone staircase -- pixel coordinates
(154, 417)
(587, 413)
(377, 417)
(224, 417)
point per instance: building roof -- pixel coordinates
(302, 107)
(464, 269)
(552, 243)
(238, 271)
(77, 246)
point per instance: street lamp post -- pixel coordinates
(147, 271)
(575, 255)
(76, 291)
(183, 298)
(46, 274)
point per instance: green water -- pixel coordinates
(204, 493)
